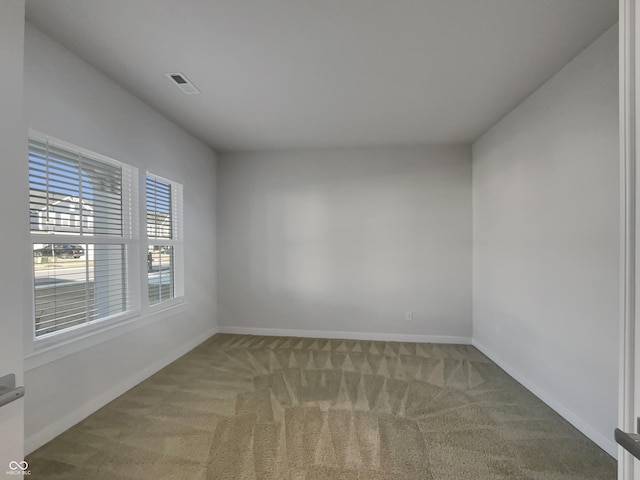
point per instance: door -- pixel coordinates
(14, 261)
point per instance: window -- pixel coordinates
(164, 234)
(82, 210)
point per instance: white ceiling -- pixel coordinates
(325, 73)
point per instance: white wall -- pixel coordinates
(16, 280)
(546, 241)
(343, 242)
(67, 99)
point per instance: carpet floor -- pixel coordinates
(242, 407)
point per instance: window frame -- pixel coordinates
(129, 238)
(176, 241)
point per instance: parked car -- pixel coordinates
(60, 250)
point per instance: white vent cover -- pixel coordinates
(182, 82)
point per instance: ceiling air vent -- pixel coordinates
(183, 83)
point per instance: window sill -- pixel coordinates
(58, 346)
(166, 304)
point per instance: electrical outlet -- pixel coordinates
(408, 316)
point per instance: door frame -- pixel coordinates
(16, 287)
(629, 293)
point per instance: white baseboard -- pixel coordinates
(53, 430)
(605, 443)
(389, 337)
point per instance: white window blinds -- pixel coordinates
(159, 208)
(84, 192)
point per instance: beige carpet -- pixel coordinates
(266, 408)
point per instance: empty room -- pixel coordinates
(320, 239)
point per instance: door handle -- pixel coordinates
(629, 441)
(8, 390)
